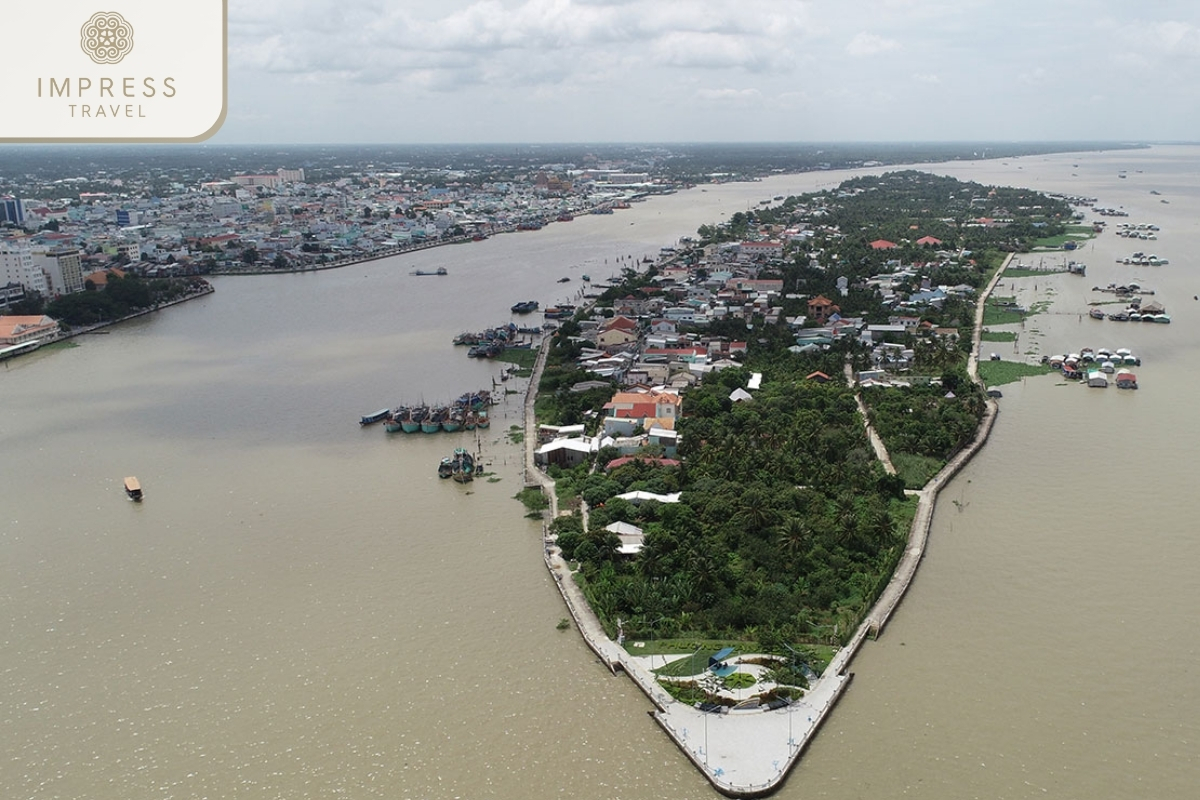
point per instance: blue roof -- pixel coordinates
(719, 656)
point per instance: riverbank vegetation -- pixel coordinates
(120, 297)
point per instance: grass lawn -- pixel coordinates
(1075, 233)
(997, 373)
(998, 336)
(915, 470)
(994, 315)
(697, 661)
(522, 358)
(1016, 272)
(902, 513)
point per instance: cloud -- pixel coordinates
(521, 43)
(724, 95)
(868, 44)
(926, 78)
(1182, 38)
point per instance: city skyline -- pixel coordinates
(472, 71)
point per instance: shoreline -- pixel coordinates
(752, 763)
(209, 289)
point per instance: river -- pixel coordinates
(301, 609)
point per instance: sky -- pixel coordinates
(476, 71)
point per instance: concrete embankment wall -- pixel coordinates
(918, 536)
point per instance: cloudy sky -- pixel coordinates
(360, 71)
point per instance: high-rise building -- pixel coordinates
(63, 267)
(12, 210)
(16, 266)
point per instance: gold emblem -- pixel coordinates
(106, 37)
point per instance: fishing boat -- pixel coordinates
(481, 419)
(411, 423)
(133, 489)
(394, 423)
(438, 271)
(454, 421)
(525, 307)
(445, 468)
(433, 423)
(378, 416)
(462, 466)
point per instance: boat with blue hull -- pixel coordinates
(378, 416)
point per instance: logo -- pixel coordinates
(106, 37)
(75, 75)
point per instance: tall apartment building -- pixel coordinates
(63, 267)
(12, 210)
(16, 266)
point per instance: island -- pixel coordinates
(739, 448)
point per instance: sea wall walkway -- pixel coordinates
(749, 753)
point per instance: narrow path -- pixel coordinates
(876, 443)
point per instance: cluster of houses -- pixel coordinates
(653, 344)
(283, 220)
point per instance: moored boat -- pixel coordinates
(453, 421)
(378, 416)
(433, 423)
(412, 422)
(462, 466)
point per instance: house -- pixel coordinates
(628, 411)
(664, 327)
(883, 244)
(17, 330)
(929, 241)
(658, 462)
(565, 453)
(639, 497)
(548, 433)
(619, 322)
(758, 251)
(820, 308)
(99, 278)
(631, 537)
(819, 377)
(615, 337)
(740, 395)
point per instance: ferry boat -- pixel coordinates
(378, 416)
(133, 489)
